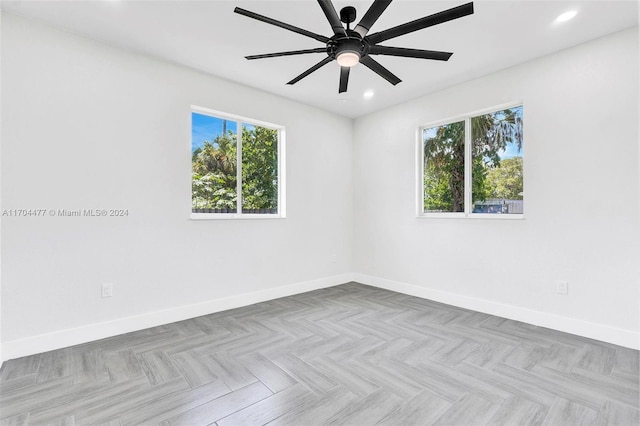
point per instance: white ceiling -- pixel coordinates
(208, 36)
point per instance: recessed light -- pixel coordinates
(563, 17)
(368, 94)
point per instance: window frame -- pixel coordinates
(468, 153)
(240, 121)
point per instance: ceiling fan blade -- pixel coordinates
(371, 16)
(320, 64)
(344, 79)
(410, 53)
(289, 53)
(280, 24)
(380, 70)
(418, 24)
(332, 17)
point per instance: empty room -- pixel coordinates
(234, 212)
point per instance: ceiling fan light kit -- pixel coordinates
(347, 52)
(349, 47)
(348, 58)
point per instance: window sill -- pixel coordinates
(233, 216)
(473, 216)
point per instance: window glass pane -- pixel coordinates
(497, 180)
(259, 170)
(213, 164)
(444, 168)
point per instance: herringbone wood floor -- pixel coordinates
(350, 354)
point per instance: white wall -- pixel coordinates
(1, 191)
(90, 126)
(581, 198)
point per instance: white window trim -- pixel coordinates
(420, 213)
(239, 120)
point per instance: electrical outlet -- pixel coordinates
(562, 287)
(107, 290)
(334, 258)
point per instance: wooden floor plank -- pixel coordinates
(221, 407)
(20, 367)
(344, 376)
(271, 407)
(231, 371)
(19, 420)
(612, 413)
(123, 365)
(519, 411)
(565, 412)
(318, 411)
(196, 370)
(55, 365)
(368, 410)
(158, 367)
(468, 410)
(597, 358)
(423, 408)
(306, 374)
(169, 405)
(267, 372)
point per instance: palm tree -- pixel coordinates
(444, 152)
(214, 174)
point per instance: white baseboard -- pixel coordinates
(46, 342)
(60, 339)
(604, 333)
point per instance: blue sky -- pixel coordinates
(207, 128)
(510, 151)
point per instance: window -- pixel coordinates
(236, 166)
(473, 166)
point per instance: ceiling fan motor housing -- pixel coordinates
(341, 45)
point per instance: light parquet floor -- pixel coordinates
(346, 355)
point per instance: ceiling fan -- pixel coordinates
(352, 46)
